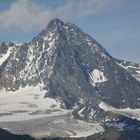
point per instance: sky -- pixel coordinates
(115, 24)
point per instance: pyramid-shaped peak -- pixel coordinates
(55, 22)
(53, 25)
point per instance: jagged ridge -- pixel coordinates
(72, 67)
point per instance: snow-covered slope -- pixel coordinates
(28, 108)
(27, 103)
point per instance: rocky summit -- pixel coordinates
(72, 67)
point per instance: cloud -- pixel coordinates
(27, 14)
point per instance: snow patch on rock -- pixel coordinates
(96, 77)
(4, 57)
(80, 112)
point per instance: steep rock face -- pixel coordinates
(71, 66)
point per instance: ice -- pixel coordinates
(27, 103)
(54, 126)
(91, 129)
(26, 111)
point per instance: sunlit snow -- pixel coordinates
(4, 57)
(27, 103)
(80, 112)
(97, 76)
(27, 111)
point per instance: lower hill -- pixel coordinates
(110, 134)
(5, 135)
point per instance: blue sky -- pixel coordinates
(113, 23)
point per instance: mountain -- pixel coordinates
(74, 69)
